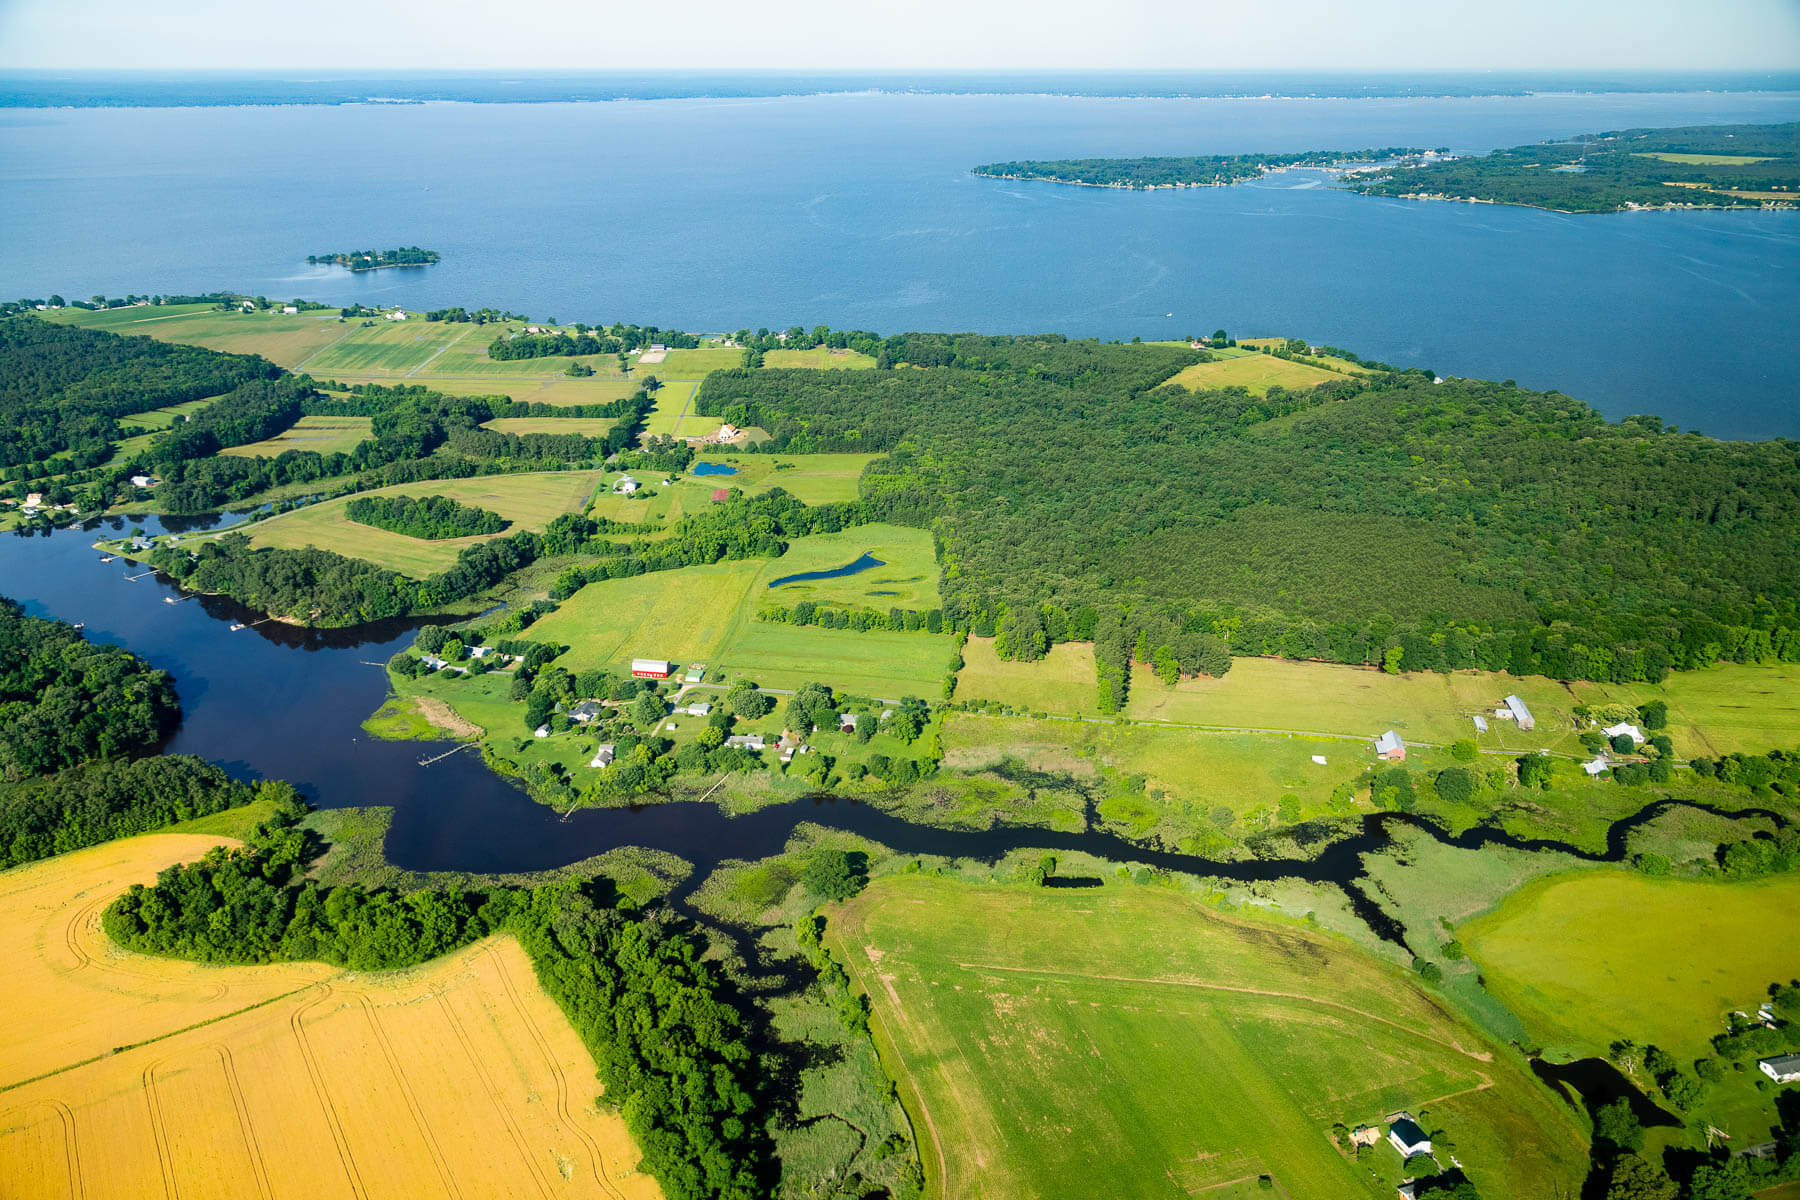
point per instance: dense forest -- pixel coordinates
(1208, 170)
(65, 701)
(87, 805)
(1606, 172)
(63, 389)
(369, 260)
(1375, 519)
(672, 1051)
(430, 517)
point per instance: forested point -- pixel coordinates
(66, 701)
(1208, 170)
(432, 517)
(368, 260)
(672, 1050)
(1608, 172)
(1383, 518)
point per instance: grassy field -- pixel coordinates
(907, 578)
(1587, 958)
(1723, 160)
(559, 390)
(325, 435)
(389, 348)
(1060, 682)
(819, 357)
(1255, 372)
(1748, 709)
(671, 417)
(1126, 1041)
(291, 1080)
(585, 426)
(884, 665)
(529, 501)
(283, 340)
(683, 616)
(162, 418)
(810, 478)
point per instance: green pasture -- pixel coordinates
(819, 357)
(885, 665)
(1118, 1040)
(468, 356)
(386, 349)
(1718, 160)
(282, 339)
(162, 418)
(692, 364)
(1255, 372)
(324, 435)
(673, 400)
(685, 616)
(1588, 958)
(529, 501)
(908, 577)
(1063, 681)
(585, 426)
(1721, 710)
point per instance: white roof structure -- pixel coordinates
(1594, 766)
(699, 708)
(650, 666)
(1480, 723)
(541, 731)
(626, 485)
(603, 756)
(1520, 713)
(1319, 758)
(1784, 1068)
(1628, 729)
(749, 741)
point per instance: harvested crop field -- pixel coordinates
(127, 1075)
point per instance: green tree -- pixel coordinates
(745, 701)
(1455, 785)
(1390, 660)
(1617, 1126)
(1465, 750)
(1633, 1178)
(648, 709)
(832, 874)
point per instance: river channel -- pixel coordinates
(270, 700)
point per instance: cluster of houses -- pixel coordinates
(478, 652)
(33, 504)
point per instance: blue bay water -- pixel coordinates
(858, 211)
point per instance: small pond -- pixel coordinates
(706, 468)
(849, 568)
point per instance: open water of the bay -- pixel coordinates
(858, 211)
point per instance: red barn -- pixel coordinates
(650, 668)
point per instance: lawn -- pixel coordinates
(1256, 372)
(529, 501)
(325, 435)
(908, 577)
(887, 666)
(127, 1074)
(1747, 709)
(1722, 160)
(819, 357)
(1116, 1040)
(693, 364)
(1586, 958)
(162, 418)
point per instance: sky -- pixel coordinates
(450, 35)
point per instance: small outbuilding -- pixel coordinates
(1389, 747)
(542, 731)
(143, 481)
(1408, 1138)
(698, 708)
(1783, 1068)
(1320, 759)
(602, 757)
(696, 673)
(1480, 723)
(1520, 713)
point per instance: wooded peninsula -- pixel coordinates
(371, 260)
(1212, 170)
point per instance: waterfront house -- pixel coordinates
(290, 309)
(399, 314)
(1389, 747)
(602, 757)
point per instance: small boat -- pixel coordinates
(105, 558)
(236, 625)
(170, 600)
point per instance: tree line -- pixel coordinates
(430, 517)
(1207, 170)
(369, 260)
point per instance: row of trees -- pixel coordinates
(671, 1047)
(65, 701)
(430, 517)
(809, 612)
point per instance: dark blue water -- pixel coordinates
(706, 468)
(850, 568)
(858, 211)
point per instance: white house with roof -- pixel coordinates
(747, 741)
(1407, 1137)
(1594, 766)
(399, 314)
(1784, 1068)
(1628, 729)
(626, 486)
(1520, 713)
(602, 757)
(1390, 748)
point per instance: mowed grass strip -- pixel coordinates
(1254, 372)
(1126, 1041)
(1587, 958)
(889, 666)
(153, 1075)
(821, 358)
(529, 501)
(323, 435)
(1722, 710)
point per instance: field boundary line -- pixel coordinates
(1451, 1044)
(253, 1147)
(412, 1101)
(601, 1175)
(493, 1095)
(434, 354)
(332, 1120)
(161, 1037)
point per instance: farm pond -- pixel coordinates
(706, 468)
(866, 562)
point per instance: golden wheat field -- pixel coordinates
(123, 1075)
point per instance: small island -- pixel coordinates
(1215, 170)
(1700, 166)
(374, 260)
